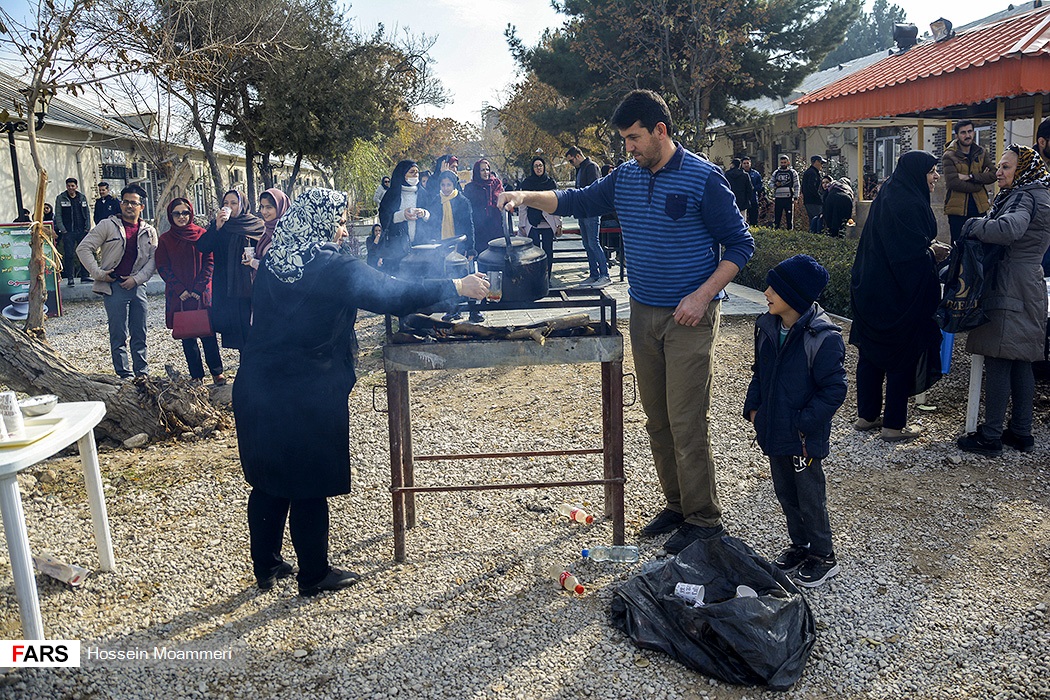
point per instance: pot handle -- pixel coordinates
(505, 216)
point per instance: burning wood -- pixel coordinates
(421, 328)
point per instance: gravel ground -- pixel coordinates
(943, 593)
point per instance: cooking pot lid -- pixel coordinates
(515, 241)
(427, 246)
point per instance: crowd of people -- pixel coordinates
(283, 288)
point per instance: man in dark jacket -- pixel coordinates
(72, 221)
(757, 190)
(812, 197)
(106, 205)
(740, 183)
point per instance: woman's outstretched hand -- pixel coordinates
(475, 286)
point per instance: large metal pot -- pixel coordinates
(434, 261)
(524, 266)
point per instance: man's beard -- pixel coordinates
(1045, 152)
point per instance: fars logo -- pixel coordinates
(34, 652)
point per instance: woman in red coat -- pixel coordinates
(187, 284)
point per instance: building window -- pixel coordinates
(887, 151)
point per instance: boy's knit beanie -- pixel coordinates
(799, 280)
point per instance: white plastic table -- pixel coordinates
(78, 426)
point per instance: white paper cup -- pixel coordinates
(12, 415)
(249, 253)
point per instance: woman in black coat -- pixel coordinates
(226, 238)
(895, 290)
(296, 373)
(403, 216)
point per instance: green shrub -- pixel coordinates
(835, 254)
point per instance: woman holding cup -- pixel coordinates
(296, 374)
(233, 230)
(402, 214)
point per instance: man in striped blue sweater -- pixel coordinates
(684, 240)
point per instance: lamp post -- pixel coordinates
(18, 125)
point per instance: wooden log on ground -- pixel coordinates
(159, 407)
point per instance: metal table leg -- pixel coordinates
(612, 431)
(395, 387)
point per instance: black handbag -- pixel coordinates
(970, 272)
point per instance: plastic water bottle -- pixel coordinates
(617, 553)
(573, 513)
(565, 579)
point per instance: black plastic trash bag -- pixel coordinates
(747, 641)
(970, 271)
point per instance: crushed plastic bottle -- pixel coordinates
(574, 513)
(565, 579)
(618, 553)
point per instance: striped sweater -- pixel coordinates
(674, 224)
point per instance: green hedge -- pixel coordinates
(835, 254)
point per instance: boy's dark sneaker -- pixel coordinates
(974, 442)
(665, 521)
(1021, 443)
(791, 558)
(816, 570)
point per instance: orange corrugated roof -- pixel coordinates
(1004, 59)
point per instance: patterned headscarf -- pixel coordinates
(308, 225)
(1030, 168)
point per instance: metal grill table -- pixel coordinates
(607, 348)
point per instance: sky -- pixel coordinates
(475, 65)
(471, 56)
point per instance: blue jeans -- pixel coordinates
(597, 265)
(126, 309)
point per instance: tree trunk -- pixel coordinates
(295, 173)
(266, 170)
(158, 407)
(177, 185)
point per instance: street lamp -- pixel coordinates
(18, 125)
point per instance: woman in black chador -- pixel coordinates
(895, 291)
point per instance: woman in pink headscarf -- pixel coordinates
(483, 190)
(273, 203)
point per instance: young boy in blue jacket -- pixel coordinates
(798, 384)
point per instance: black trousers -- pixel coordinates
(70, 262)
(308, 523)
(899, 385)
(193, 356)
(544, 238)
(752, 215)
(803, 498)
(785, 206)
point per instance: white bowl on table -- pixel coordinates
(38, 405)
